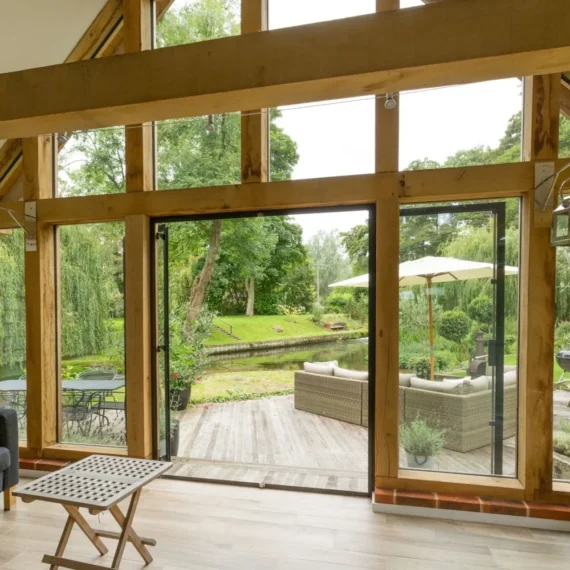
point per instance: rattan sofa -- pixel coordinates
(337, 398)
(463, 417)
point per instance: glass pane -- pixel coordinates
(561, 367)
(91, 162)
(330, 138)
(464, 125)
(449, 387)
(564, 149)
(190, 21)
(199, 152)
(264, 351)
(92, 313)
(13, 326)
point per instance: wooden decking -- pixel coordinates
(268, 442)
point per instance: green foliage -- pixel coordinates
(358, 309)
(325, 251)
(91, 279)
(317, 313)
(240, 396)
(356, 242)
(562, 336)
(12, 302)
(420, 440)
(421, 365)
(188, 353)
(480, 309)
(454, 325)
(338, 301)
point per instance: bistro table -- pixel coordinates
(97, 483)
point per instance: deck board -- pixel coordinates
(268, 442)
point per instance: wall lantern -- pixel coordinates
(560, 232)
(560, 235)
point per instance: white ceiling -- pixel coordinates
(36, 33)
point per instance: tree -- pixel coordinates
(328, 258)
(356, 243)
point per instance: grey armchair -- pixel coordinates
(9, 470)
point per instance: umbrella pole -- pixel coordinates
(431, 340)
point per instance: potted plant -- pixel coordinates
(421, 443)
(188, 358)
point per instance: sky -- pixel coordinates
(337, 138)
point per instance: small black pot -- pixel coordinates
(174, 438)
(179, 399)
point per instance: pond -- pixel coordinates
(352, 354)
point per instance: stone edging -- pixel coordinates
(248, 346)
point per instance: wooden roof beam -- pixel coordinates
(443, 44)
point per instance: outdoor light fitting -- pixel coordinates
(391, 102)
(560, 233)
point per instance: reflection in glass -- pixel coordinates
(13, 326)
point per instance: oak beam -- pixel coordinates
(255, 122)
(137, 32)
(438, 45)
(40, 300)
(137, 323)
(537, 294)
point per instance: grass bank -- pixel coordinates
(261, 328)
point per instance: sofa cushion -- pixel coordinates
(447, 386)
(405, 380)
(474, 385)
(325, 368)
(350, 374)
(510, 378)
(4, 459)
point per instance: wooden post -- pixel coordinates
(42, 383)
(138, 138)
(138, 326)
(255, 123)
(387, 289)
(537, 293)
(139, 178)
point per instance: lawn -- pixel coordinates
(235, 384)
(260, 328)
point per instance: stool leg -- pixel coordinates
(63, 540)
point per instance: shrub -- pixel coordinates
(405, 361)
(454, 325)
(420, 440)
(338, 301)
(358, 310)
(317, 313)
(562, 336)
(481, 309)
(422, 367)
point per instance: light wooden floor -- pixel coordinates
(219, 527)
(268, 442)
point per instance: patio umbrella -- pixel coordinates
(430, 270)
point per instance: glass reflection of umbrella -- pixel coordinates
(430, 270)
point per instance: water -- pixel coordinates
(352, 354)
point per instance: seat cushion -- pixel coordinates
(4, 459)
(350, 374)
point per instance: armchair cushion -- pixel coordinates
(4, 459)
(9, 440)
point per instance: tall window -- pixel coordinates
(465, 125)
(92, 341)
(458, 308)
(198, 151)
(331, 138)
(13, 326)
(91, 162)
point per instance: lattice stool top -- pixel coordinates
(96, 482)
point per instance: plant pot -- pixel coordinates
(174, 438)
(421, 462)
(180, 398)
